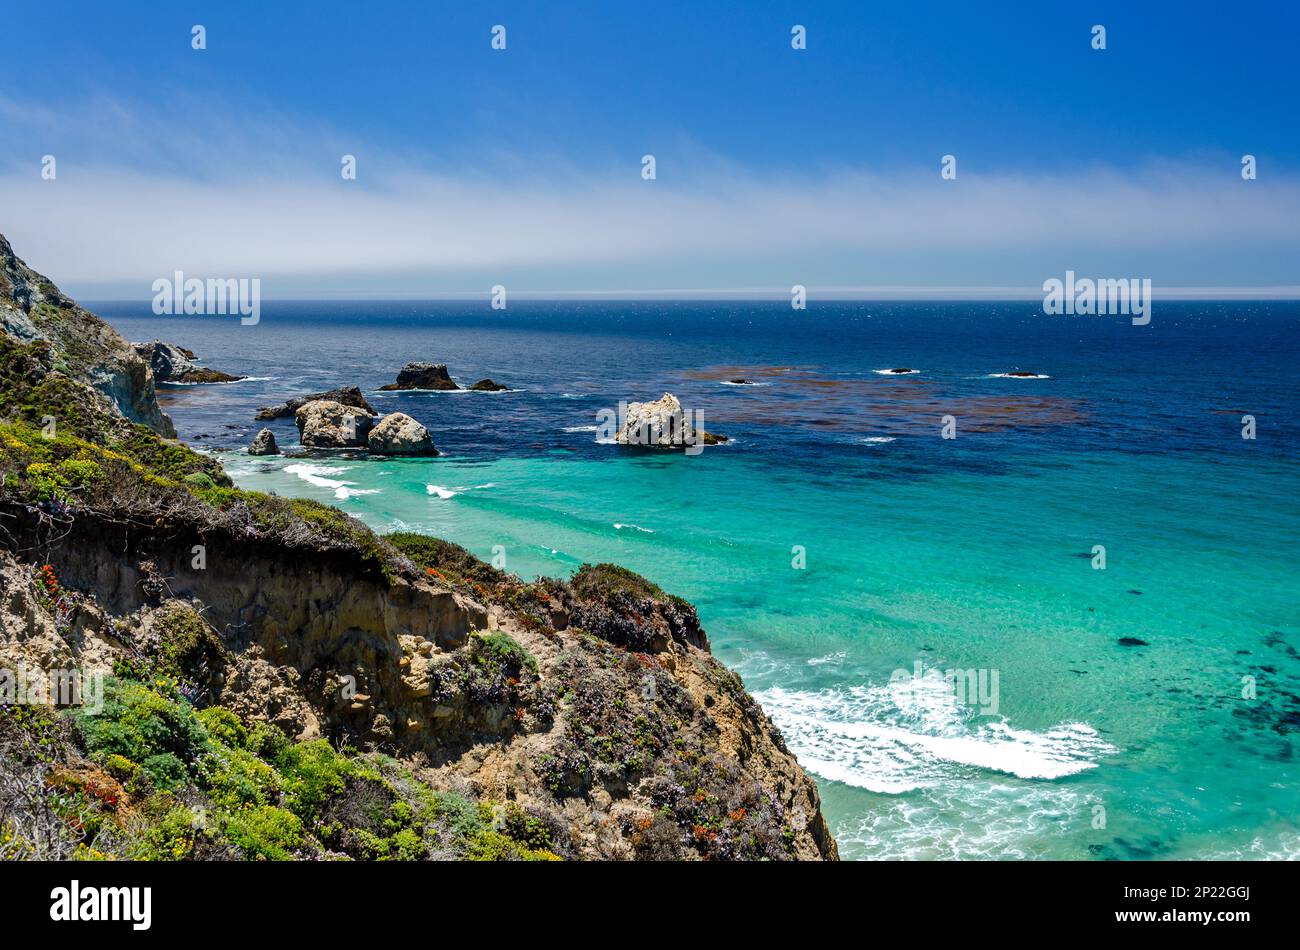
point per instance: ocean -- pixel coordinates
(927, 619)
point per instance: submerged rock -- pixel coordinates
(399, 434)
(1131, 642)
(326, 424)
(264, 444)
(422, 376)
(488, 386)
(348, 395)
(175, 364)
(662, 424)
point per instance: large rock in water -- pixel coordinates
(175, 364)
(488, 386)
(348, 395)
(399, 434)
(264, 444)
(422, 376)
(326, 424)
(662, 424)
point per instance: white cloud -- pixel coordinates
(236, 198)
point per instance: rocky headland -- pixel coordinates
(282, 683)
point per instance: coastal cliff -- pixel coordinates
(283, 683)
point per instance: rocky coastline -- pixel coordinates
(281, 683)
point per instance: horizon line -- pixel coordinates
(876, 294)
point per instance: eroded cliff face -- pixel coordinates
(32, 308)
(656, 754)
(592, 707)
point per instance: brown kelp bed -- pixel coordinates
(799, 396)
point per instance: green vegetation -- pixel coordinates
(501, 648)
(450, 563)
(606, 581)
(162, 780)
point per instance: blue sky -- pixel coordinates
(774, 166)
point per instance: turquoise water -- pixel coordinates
(839, 539)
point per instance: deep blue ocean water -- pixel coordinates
(1147, 710)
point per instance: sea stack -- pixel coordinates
(399, 434)
(326, 424)
(422, 376)
(662, 424)
(264, 444)
(488, 386)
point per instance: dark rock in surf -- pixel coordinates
(348, 395)
(422, 376)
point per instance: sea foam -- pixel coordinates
(318, 475)
(898, 737)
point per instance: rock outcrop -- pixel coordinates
(326, 424)
(399, 434)
(422, 376)
(33, 309)
(662, 424)
(264, 444)
(488, 386)
(174, 364)
(348, 395)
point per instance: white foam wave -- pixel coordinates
(581, 429)
(914, 734)
(343, 493)
(1018, 376)
(878, 439)
(318, 475)
(445, 493)
(618, 525)
(834, 659)
(890, 372)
